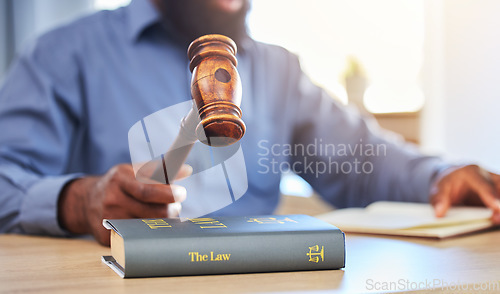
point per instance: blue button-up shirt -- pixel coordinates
(70, 99)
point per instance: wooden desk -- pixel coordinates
(50, 265)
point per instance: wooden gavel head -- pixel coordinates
(216, 90)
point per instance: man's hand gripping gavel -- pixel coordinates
(214, 120)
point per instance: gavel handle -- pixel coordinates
(173, 159)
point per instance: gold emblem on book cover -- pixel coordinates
(316, 254)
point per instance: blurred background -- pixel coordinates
(427, 69)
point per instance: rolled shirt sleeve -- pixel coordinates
(30, 207)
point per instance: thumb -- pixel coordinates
(185, 171)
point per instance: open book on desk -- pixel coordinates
(409, 219)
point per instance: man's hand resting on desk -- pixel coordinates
(468, 185)
(85, 202)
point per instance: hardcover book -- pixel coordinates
(223, 245)
(410, 219)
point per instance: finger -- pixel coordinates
(160, 193)
(148, 169)
(441, 200)
(484, 188)
(148, 172)
(125, 206)
(185, 171)
(149, 193)
(118, 204)
(174, 209)
(495, 179)
(148, 210)
(150, 181)
(496, 218)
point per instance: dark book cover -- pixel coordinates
(221, 245)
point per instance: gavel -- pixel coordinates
(215, 118)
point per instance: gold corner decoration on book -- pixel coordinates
(410, 219)
(223, 245)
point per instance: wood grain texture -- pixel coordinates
(53, 265)
(216, 90)
(215, 119)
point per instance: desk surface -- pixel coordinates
(50, 265)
